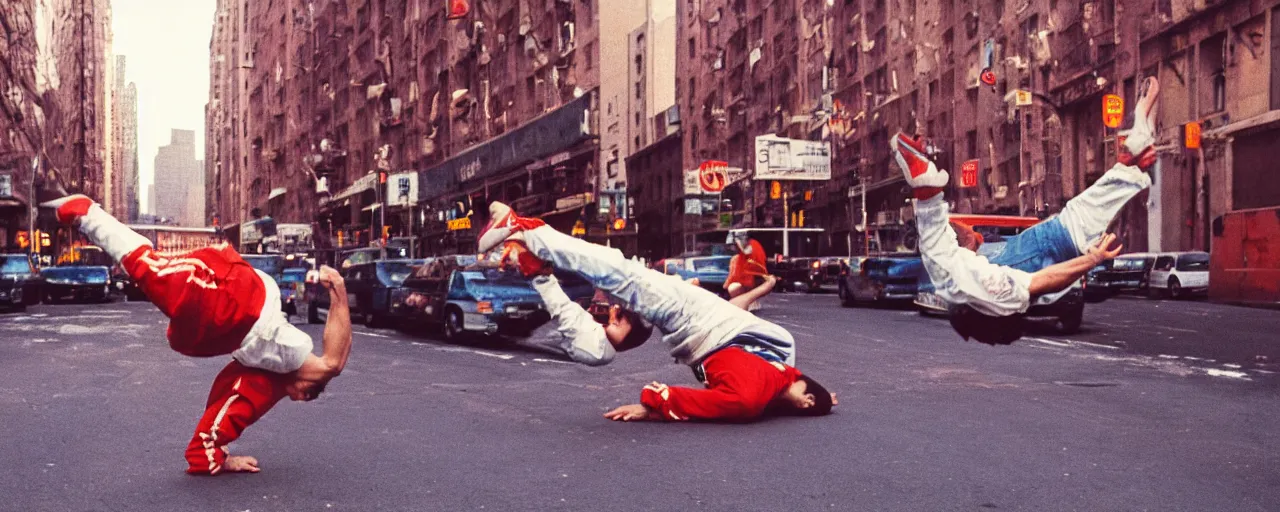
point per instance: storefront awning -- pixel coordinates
(361, 185)
(277, 192)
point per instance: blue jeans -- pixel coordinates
(1039, 246)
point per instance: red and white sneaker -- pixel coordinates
(504, 225)
(921, 173)
(1137, 144)
(69, 208)
(515, 253)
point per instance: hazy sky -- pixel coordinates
(166, 48)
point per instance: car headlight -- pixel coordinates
(119, 285)
(512, 309)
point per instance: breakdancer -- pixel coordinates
(987, 295)
(594, 336)
(748, 363)
(219, 305)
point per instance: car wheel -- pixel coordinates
(376, 321)
(1175, 288)
(313, 314)
(453, 325)
(1069, 323)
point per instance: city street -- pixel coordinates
(1156, 405)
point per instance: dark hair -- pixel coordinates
(640, 331)
(822, 401)
(989, 329)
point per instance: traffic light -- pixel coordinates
(382, 177)
(801, 219)
(44, 239)
(619, 224)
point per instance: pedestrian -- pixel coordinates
(747, 268)
(988, 295)
(219, 305)
(748, 363)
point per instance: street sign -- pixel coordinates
(460, 224)
(1112, 110)
(711, 176)
(579, 229)
(1022, 98)
(775, 190)
(1191, 135)
(969, 174)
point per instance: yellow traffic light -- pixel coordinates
(801, 219)
(619, 224)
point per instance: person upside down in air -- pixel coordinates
(988, 294)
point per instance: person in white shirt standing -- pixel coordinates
(988, 295)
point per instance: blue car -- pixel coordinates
(711, 271)
(890, 278)
(473, 299)
(79, 283)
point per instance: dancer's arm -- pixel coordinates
(337, 332)
(1060, 276)
(961, 275)
(743, 301)
(673, 403)
(585, 338)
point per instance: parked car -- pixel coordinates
(1179, 274)
(1094, 290)
(792, 276)
(76, 282)
(20, 281)
(824, 274)
(472, 299)
(370, 290)
(1128, 272)
(292, 289)
(891, 278)
(711, 271)
(1067, 306)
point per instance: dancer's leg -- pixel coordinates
(1087, 215)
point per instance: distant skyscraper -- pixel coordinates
(179, 181)
(124, 175)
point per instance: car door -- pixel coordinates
(1161, 270)
(354, 278)
(1192, 270)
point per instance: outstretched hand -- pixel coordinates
(241, 464)
(633, 412)
(1101, 250)
(330, 278)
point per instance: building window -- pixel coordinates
(591, 51)
(1213, 97)
(693, 48)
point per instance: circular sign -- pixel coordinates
(988, 77)
(712, 178)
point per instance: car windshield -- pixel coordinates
(1193, 262)
(269, 265)
(394, 273)
(721, 264)
(1127, 264)
(294, 275)
(14, 265)
(92, 275)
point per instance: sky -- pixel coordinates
(166, 49)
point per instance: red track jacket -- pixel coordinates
(739, 387)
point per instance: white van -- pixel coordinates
(1179, 274)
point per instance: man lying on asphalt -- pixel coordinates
(217, 305)
(987, 295)
(747, 361)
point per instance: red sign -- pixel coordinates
(1191, 135)
(1112, 110)
(458, 9)
(969, 174)
(988, 77)
(712, 175)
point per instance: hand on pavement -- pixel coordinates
(633, 412)
(241, 464)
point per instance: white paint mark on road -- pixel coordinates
(1050, 342)
(1166, 356)
(540, 360)
(1229, 374)
(793, 325)
(1097, 345)
(1176, 329)
(44, 340)
(1229, 365)
(116, 311)
(375, 335)
(503, 357)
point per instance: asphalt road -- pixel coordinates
(96, 411)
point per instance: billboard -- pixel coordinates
(402, 189)
(779, 158)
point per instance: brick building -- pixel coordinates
(310, 100)
(57, 82)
